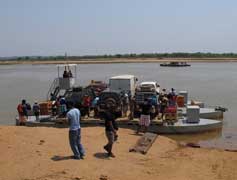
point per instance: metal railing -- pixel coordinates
(52, 88)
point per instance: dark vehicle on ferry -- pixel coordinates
(112, 99)
(77, 94)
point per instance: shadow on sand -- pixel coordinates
(101, 155)
(135, 134)
(61, 158)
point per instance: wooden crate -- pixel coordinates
(45, 108)
(180, 101)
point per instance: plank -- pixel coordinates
(144, 143)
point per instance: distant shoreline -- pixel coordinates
(118, 60)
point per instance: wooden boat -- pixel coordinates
(175, 64)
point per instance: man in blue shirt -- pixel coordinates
(73, 117)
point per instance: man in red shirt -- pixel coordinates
(22, 112)
(87, 104)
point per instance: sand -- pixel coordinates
(30, 154)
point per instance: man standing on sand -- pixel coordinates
(111, 129)
(73, 116)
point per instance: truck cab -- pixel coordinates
(152, 85)
(147, 91)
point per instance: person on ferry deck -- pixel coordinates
(36, 110)
(22, 112)
(65, 73)
(70, 74)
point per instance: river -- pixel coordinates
(212, 83)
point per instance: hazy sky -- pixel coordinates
(82, 27)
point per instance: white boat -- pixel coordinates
(182, 127)
(179, 127)
(31, 120)
(206, 113)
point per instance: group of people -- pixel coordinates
(111, 128)
(165, 100)
(67, 73)
(59, 105)
(24, 109)
(73, 115)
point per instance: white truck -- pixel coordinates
(154, 86)
(147, 90)
(123, 83)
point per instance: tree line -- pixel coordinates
(132, 56)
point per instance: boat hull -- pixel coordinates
(206, 113)
(180, 127)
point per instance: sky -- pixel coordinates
(97, 27)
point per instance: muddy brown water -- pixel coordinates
(212, 83)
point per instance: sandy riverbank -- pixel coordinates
(120, 60)
(28, 154)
